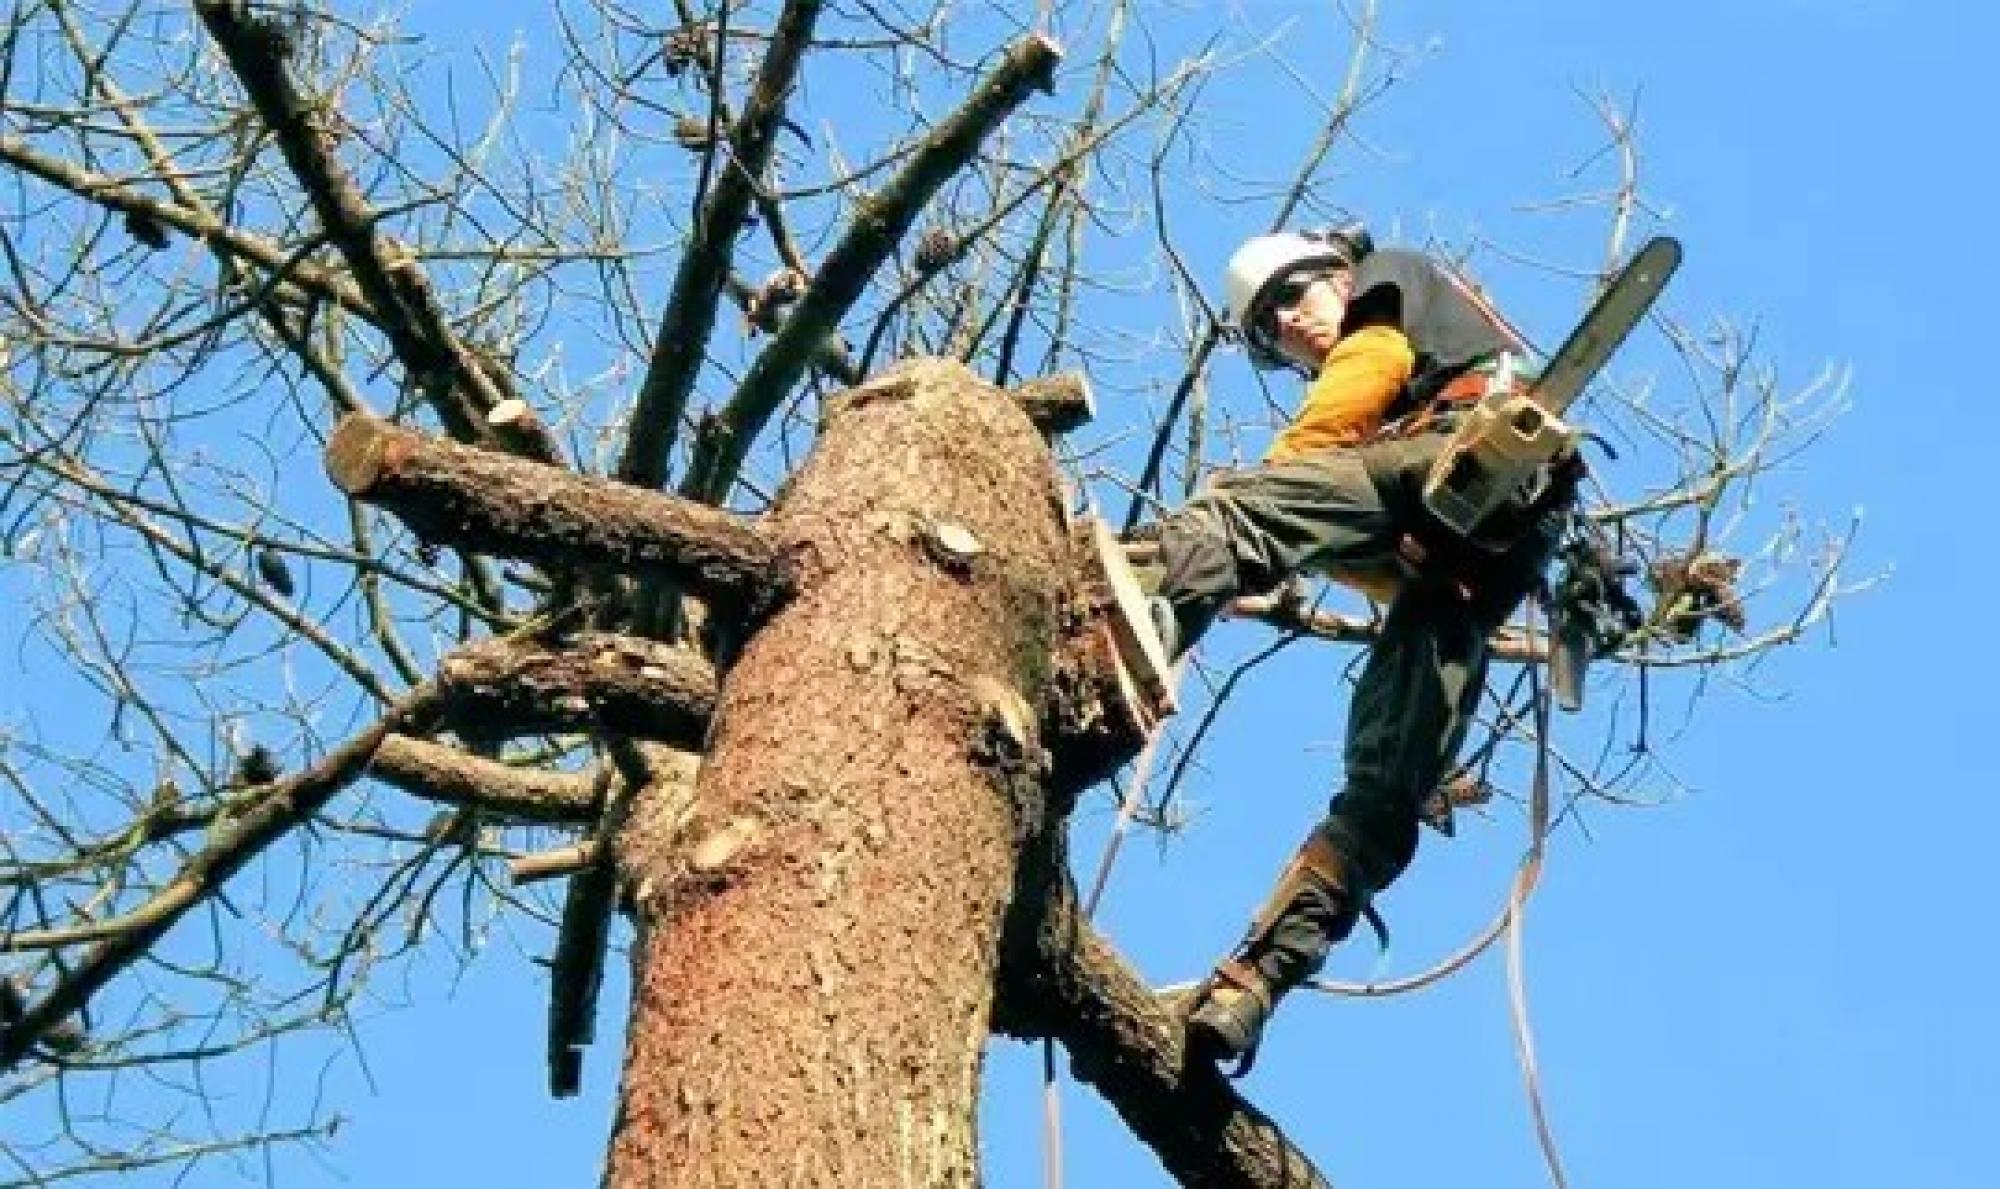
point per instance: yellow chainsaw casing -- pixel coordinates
(1495, 456)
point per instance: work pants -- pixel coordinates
(1347, 509)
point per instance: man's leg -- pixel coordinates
(1313, 905)
(1252, 529)
(1411, 709)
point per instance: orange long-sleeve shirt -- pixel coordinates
(1356, 385)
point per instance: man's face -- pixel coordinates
(1305, 317)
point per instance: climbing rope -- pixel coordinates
(1525, 880)
(1128, 808)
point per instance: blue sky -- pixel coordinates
(1780, 976)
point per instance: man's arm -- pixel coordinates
(1358, 382)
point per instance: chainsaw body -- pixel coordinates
(1496, 457)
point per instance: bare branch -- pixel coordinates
(871, 236)
(449, 776)
(1214, 330)
(681, 343)
(283, 807)
(407, 309)
(205, 248)
(287, 264)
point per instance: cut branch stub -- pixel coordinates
(553, 864)
(449, 776)
(499, 689)
(1058, 404)
(493, 503)
(1112, 684)
(514, 423)
(952, 546)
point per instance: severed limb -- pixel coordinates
(1057, 404)
(493, 503)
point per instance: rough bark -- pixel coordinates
(821, 923)
(814, 973)
(493, 503)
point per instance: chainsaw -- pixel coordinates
(1503, 446)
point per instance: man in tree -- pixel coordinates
(1395, 347)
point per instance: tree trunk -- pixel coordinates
(815, 969)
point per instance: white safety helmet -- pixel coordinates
(1260, 268)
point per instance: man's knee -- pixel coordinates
(1195, 545)
(1197, 570)
(1375, 834)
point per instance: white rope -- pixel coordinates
(1052, 1141)
(1128, 808)
(1517, 904)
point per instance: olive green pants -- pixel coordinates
(1348, 508)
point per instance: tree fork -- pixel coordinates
(681, 342)
(1061, 979)
(876, 229)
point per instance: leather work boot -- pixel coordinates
(1309, 910)
(1228, 1019)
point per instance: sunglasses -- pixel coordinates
(1283, 296)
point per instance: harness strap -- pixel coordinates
(1468, 387)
